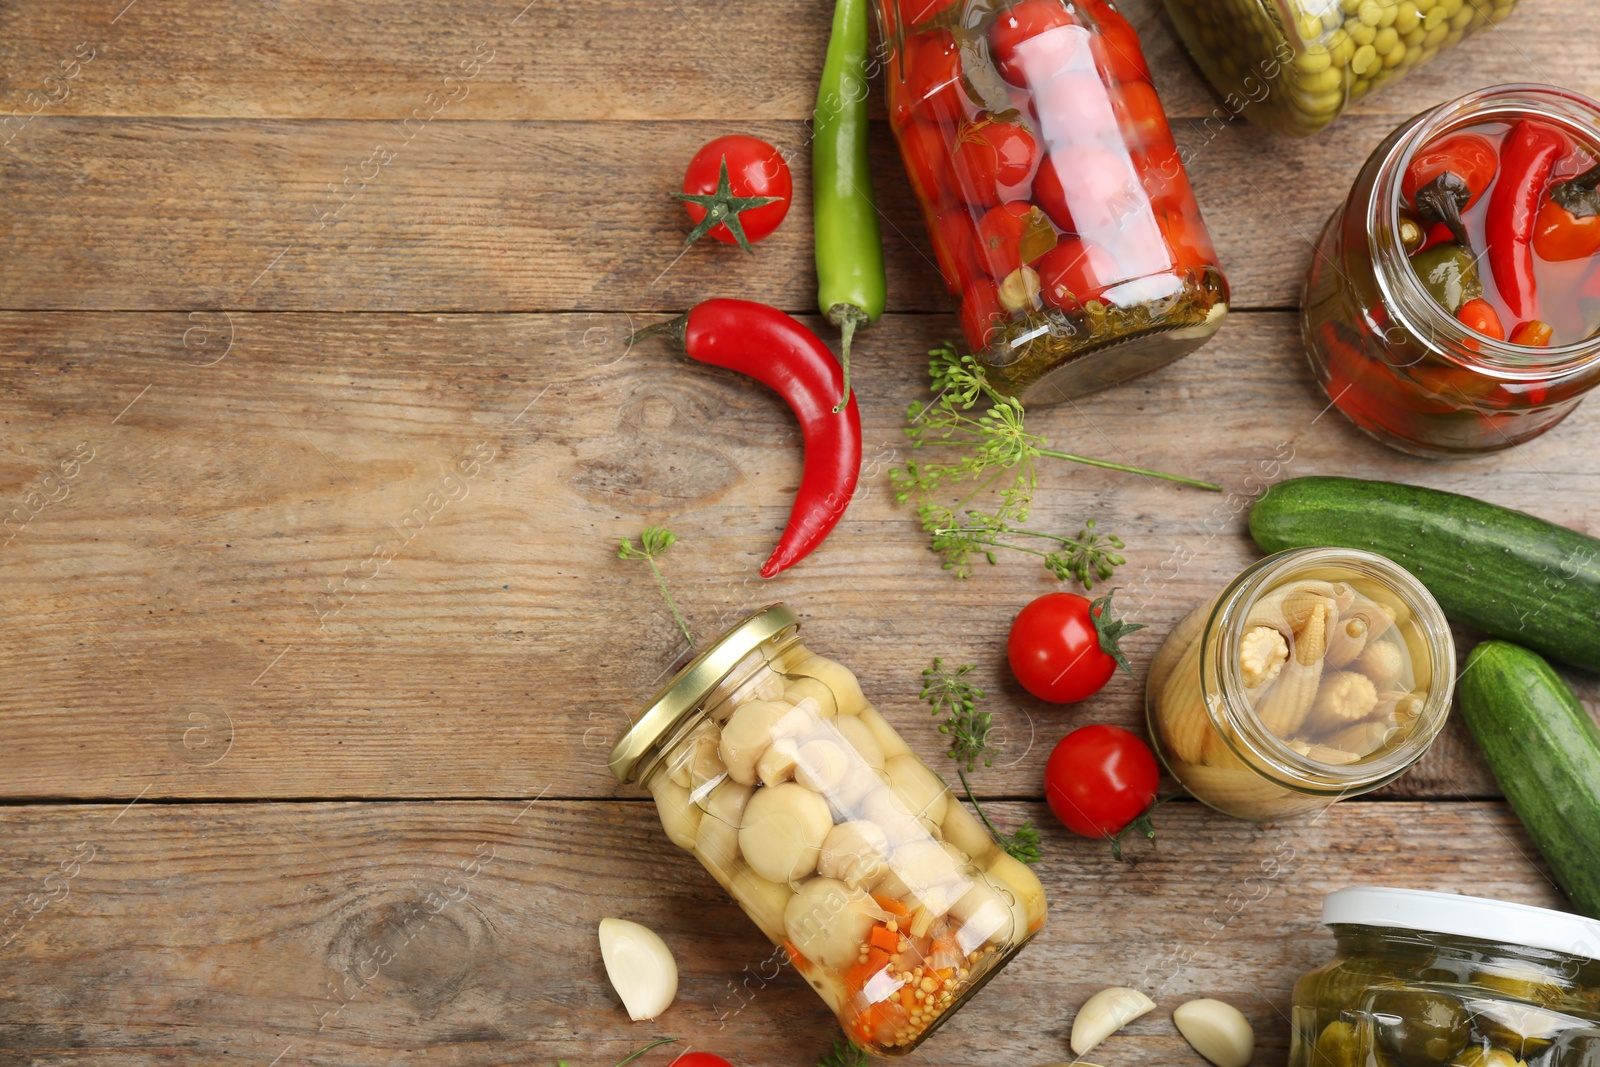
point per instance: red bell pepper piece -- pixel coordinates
(1479, 316)
(1527, 158)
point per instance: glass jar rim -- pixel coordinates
(678, 699)
(1266, 753)
(1403, 292)
(1459, 915)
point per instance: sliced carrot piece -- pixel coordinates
(892, 906)
(882, 937)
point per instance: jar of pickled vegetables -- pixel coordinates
(769, 764)
(1316, 675)
(1453, 303)
(1294, 65)
(1439, 980)
(1059, 209)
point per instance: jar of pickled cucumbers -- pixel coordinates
(1439, 980)
(1059, 209)
(891, 899)
(1294, 65)
(1428, 323)
(1317, 674)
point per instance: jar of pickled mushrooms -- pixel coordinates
(891, 898)
(1318, 674)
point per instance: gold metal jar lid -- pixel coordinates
(684, 693)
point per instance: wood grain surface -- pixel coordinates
(318, 430)
(236, 596)
(463, 933)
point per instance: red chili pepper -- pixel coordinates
(1447, 177)
(1527, 157)
(781, 353)
(1568, 226)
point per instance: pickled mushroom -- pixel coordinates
(860, 738)
(856, 853)
(888, 740)
(821, 766)
(963, 830)
(717, 839)
(846, 690)
(746, 735)
(696, 761)
(777, 763)
(884, 807)
(923, 872)
(827, 921)
(680, 816)
(762, 899)
(921, 790)
(1019, 877)
(784, 827)
(802, 689)
(987, 913)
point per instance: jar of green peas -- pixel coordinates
(1294, 65)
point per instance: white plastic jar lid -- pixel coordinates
(1477, 917)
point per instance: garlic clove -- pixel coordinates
(640, 967)
(1218, 1031)
(1105, 1013)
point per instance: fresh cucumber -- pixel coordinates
(1500, 571)
(1545, 753)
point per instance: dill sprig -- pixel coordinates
(654, 542)
(951, 695)
(993, 459)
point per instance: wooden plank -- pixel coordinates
(608, 60)
(209, 608)
(192, 932)
(177, 214)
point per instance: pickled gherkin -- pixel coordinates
(1294, 65)
(1399, 994)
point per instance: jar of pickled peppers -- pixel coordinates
(768, 763)
(1426, 979)
(1293, 66)
(1316, 675)
(1453, 302)
(1059, 209)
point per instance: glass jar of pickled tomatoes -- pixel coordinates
(1440, 343)
(1058, 204)
(768, 763)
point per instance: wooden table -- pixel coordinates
(286, 694)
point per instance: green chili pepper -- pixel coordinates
(851, 287)
(1450, 275)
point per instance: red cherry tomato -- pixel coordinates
(955, 246)
(1099, 779)
(755, 168)
(1116, 49)
(933, 79)
(980, 312)
(1073, 271)
(1138, 109)
(1468, 156)
(1161, 171)
(699, 1059)
(1000, 234)
(1560, 236)
(991, 159)
(1054, 649)
(923, 147)
(915, 12)
(1049, 195)
(1026, 20)
(1187, 239)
